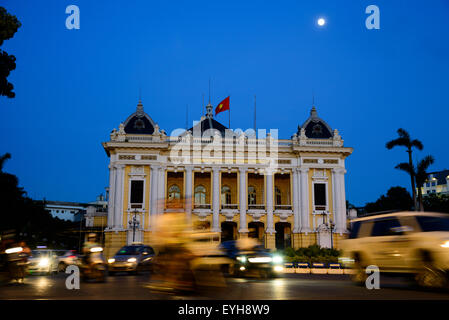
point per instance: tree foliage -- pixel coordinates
(397, 198)
(404, 140)
(419, 173)
(436, 202)
(9, 25)
(28, 220)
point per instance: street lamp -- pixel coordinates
(134, 224)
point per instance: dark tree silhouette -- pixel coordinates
(28, 220)
(404, 140)
(397, 198)
(8, 27)
(420, 174)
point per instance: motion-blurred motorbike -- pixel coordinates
(93, 265)
(13, 265)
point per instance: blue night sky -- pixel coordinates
(74, 86)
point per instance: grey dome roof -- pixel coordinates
(139, 122)
(315, 127)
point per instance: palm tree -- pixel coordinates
(404, 140)
(420, 174)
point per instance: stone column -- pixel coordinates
(153, 196)
(216, 199)
(269, 192)
(335, 200)
(304, 205)
(295, 189)
(161, 191)
(342, 216)
(188, 192)
(243, 200)
(118, 197)
(112, 175)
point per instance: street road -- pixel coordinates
(286, 287)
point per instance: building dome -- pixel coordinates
(315, 127)
(208, 125)
(139, 122)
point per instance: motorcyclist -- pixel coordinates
(89, 244)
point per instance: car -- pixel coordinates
(132, 259)
(414, 244)
(66, 258)
(43, 261)
(252, 259)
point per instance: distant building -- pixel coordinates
(64, 210)
(75, 211)
(437, 183)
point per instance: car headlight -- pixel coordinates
(278, 269)
(241, 259)
(445, 244)
(277, 259)
(96, 249)
(112, 260)
(132, 260)
(14, 250)
(44, 262)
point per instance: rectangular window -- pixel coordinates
(137, 191)
(320, 194)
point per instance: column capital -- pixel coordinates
(119, 166)
(303, 170)
(189, 167)
(216, 169)
(339, 170)
(243, 169)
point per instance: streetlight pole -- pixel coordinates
(332, 225)
(134, 224)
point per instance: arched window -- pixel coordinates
(174, 193)
(278, 194)
(200, 195)
(225, 195)
(252, 195)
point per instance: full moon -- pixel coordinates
(321, 22)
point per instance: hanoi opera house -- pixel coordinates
(284, 192)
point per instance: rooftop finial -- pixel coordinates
(209, 113)
(313, 112)
(139, 111)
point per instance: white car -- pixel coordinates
(43, 261)
(411, 243)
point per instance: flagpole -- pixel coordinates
(255, 127)
(229, 112)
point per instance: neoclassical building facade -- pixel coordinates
(284, 192)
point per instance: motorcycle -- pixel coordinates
(93, 266)
(13, 265)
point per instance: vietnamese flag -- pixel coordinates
(222, 106)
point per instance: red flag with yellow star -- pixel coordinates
(222, 106)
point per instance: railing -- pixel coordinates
(319, 142)
(201, 206)
(174, 205)
(283, 207)
(256, 207)
(229, 206)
